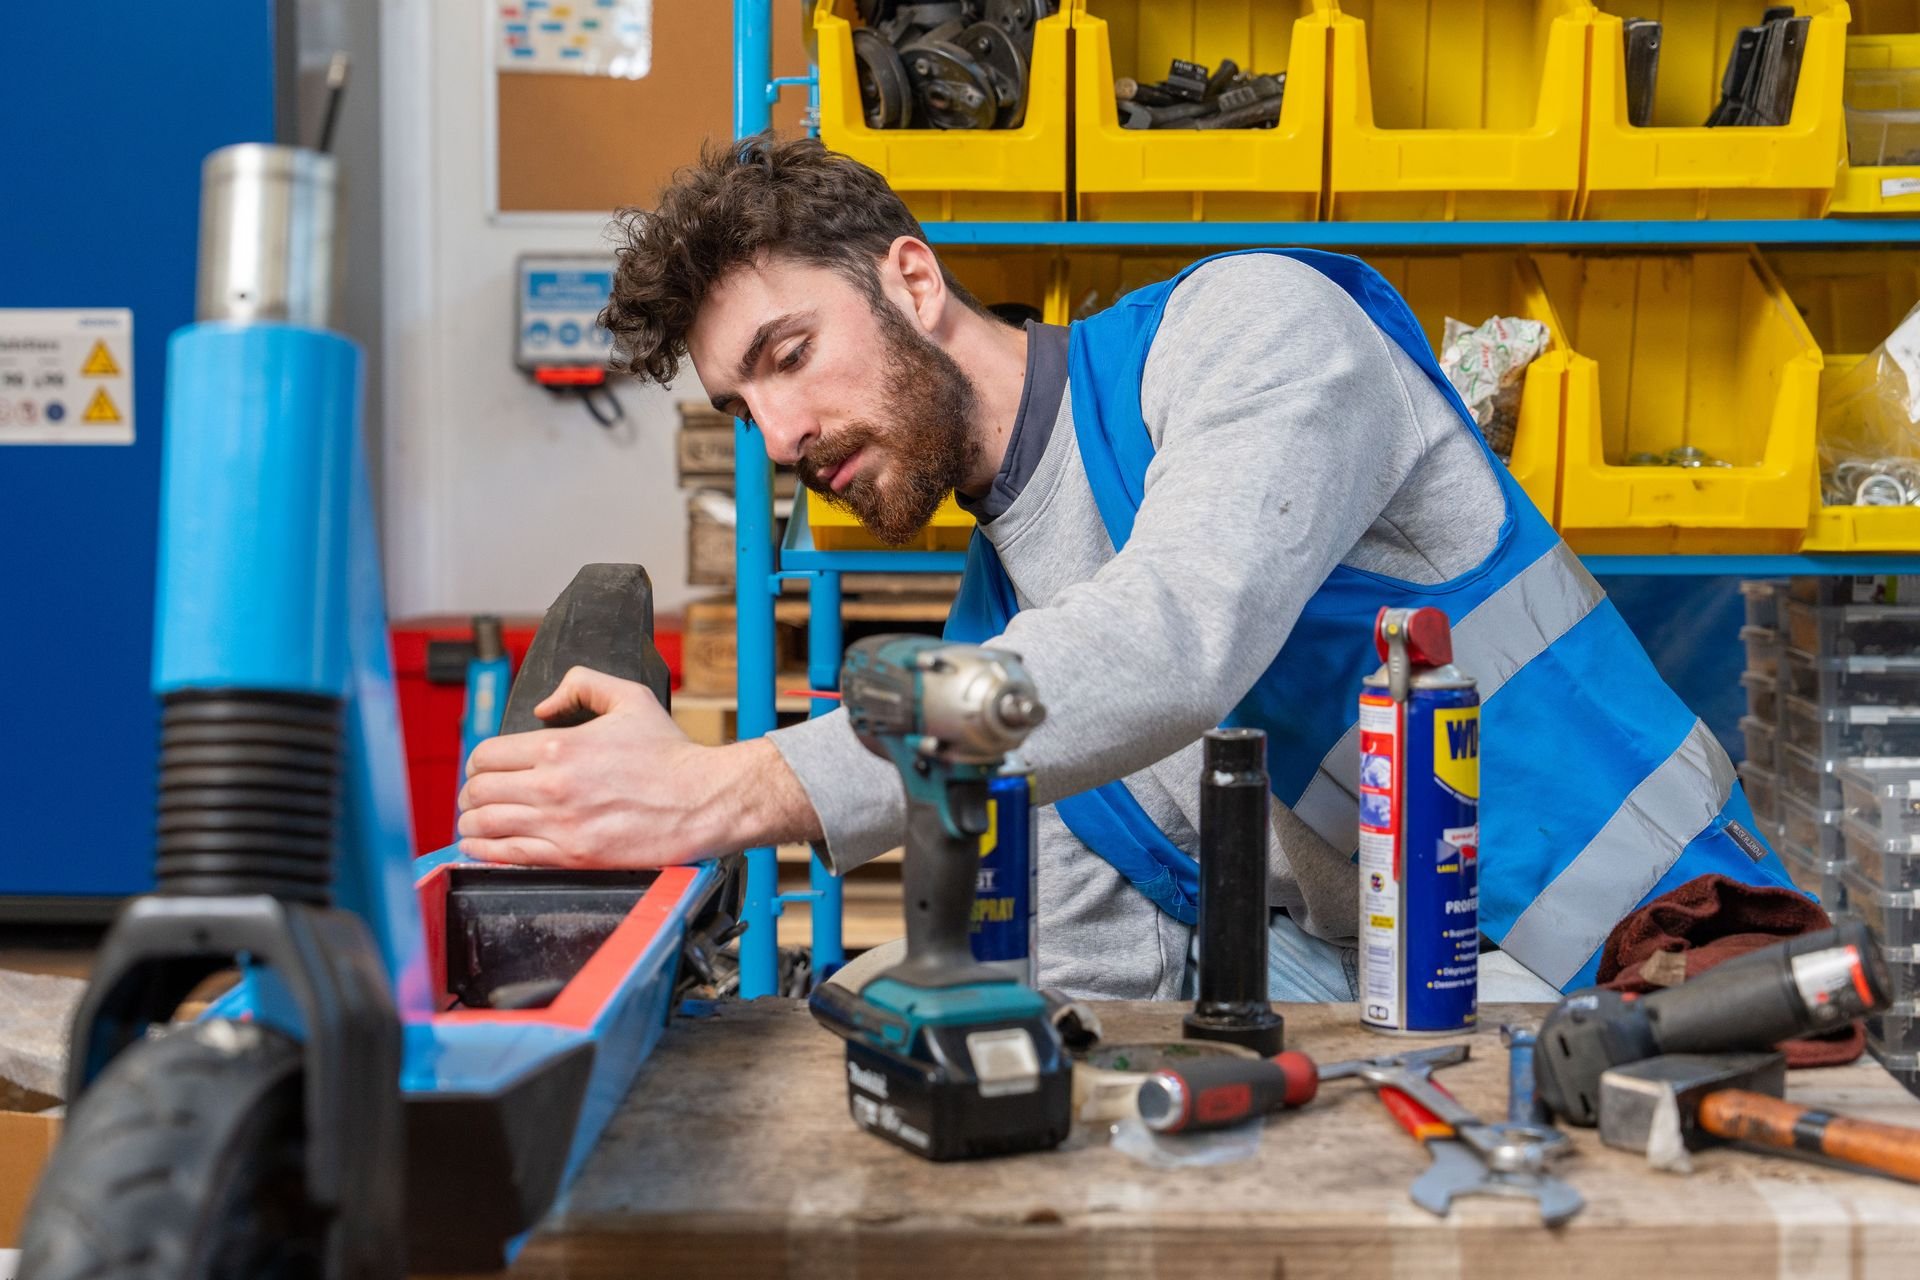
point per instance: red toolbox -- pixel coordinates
(429, 664)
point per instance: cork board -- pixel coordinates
(574, 143)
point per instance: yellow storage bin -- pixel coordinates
(1676, 168)
(1883, 120)
(1684, 349)
(1031, 277)
(1035, 277)
(1444, 109)
(955, 174)
(836, 529)
(1471, 287)
(1884, 17)
(1188, 174)
(1851, 300)
(1853, 528)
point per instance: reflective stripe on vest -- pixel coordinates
(1572, 916)
(1502, 634)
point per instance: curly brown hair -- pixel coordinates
(785, 198)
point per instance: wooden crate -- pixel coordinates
(710, 558)
(703, 454)
(708, 648)
(710, 657)
(712, 719)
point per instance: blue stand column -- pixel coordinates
(753, 533)
(823, 672)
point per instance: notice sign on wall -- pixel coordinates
(591, 37)
(66, 375)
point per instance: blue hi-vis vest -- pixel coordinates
(1600, 790)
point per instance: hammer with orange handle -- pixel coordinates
(1681, 1102)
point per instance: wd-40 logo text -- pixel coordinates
(1456, 750)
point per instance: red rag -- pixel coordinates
(1714, 918)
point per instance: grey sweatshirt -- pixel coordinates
(1290, 436)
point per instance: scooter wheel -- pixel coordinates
(184, 1161)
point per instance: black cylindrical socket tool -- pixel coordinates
(1233, 896)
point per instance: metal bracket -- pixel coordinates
(775, 85)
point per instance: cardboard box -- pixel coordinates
(29, 1128)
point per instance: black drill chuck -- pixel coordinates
(1803, 986)
(1233, 1002)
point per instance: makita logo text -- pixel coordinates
(1463, 739)
(871, 1081)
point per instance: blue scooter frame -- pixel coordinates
(270, 590)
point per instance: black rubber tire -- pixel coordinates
(184, 1161)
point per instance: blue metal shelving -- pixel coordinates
(1811, 231)
(1756, 566)
(758, 578)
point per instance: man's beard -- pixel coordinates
(925, 449)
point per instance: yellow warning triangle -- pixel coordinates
(100, 363)
(101, 408)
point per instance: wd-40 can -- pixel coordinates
(1419, 831)
(1003, 931)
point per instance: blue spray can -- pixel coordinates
(1004, 930)
(1419, 831)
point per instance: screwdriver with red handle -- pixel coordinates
(1215, 1093)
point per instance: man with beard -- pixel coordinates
(1190, 506)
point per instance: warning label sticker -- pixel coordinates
(66, 375)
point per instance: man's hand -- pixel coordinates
(627, 789)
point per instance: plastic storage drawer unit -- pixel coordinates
(1763, 696)
(1893, 916)
(1193, 175)
(1852, 588)
(1690, 408)
(1445, 111)
(1676, 167)
(1762, 598)
(1903, 1067)
(1812, 874)
(1762, 792)
(1760, 737)
(1896, 1030)
(1872, 630)
(1862, 679)
(1764, 647)
(1805, 774)
(1851, 731)
(1885, 802)
(1889, 863)
(1812, 828)
(1903, 969)
(945, 174)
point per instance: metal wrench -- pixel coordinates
(1470, 1156)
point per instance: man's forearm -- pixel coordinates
(764, 803)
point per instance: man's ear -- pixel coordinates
(917, 270)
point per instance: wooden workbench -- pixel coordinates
(734, 1156)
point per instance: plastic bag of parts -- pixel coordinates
(1487, 365)
(1870, 426)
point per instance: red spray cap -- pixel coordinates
(1429, 638)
